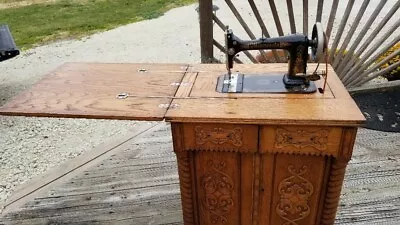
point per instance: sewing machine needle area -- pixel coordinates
(295, 80)
(259, 83)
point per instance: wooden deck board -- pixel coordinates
(139, 185)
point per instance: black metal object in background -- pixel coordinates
(381, 107)
(8, 48)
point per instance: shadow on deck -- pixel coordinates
(138, 184)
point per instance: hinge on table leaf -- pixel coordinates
(168, 106)
(185, 84)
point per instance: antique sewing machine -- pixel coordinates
(296, 80)
(8, 49)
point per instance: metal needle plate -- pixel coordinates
(259, 83)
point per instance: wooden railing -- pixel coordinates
(358, 35)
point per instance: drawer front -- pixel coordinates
(221, 137)
(301, 140)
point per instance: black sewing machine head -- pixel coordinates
(295, 80)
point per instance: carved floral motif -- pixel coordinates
(219, 135)
(301, 138)
(218, 188)
(295, 192)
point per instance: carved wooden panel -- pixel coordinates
(301, 140)
(221, 137)
(218, 185)
(218, 189)
(294, 193)
(289, 180)
(297, 183)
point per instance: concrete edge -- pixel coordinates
(388, 86)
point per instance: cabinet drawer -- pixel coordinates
(221, 137)
(301, 140)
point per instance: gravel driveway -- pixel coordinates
(31, 146)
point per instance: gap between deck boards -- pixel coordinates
(33, 188)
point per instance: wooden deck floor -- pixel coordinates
(139, 185)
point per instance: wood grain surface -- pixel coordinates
(220, 137)
(286, 172)
(333, 112)
(301, 140)
(207, 81)
(335, 107)
(296, 189)
(90, 90)
(218, 184)
(242, 159)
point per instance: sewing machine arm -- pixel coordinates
(296, 45)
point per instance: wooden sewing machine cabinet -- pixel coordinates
(267, 159)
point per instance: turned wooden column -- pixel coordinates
(336, 177)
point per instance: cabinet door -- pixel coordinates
(218, 184)
(218, 172)
(291, 188)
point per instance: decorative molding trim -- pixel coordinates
(185, 179)
(219, 136)
(301, 138)
(295, 193)
(218, 190)
(177, 137)
(332, 197)
(347, 143)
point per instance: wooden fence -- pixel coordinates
(358, 34)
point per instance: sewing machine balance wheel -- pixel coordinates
(319, 47)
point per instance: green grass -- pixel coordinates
(42, 23)
(10, 1)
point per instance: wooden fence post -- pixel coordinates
(206, 31)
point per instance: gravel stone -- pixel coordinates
(32, 146)
(25, 153)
